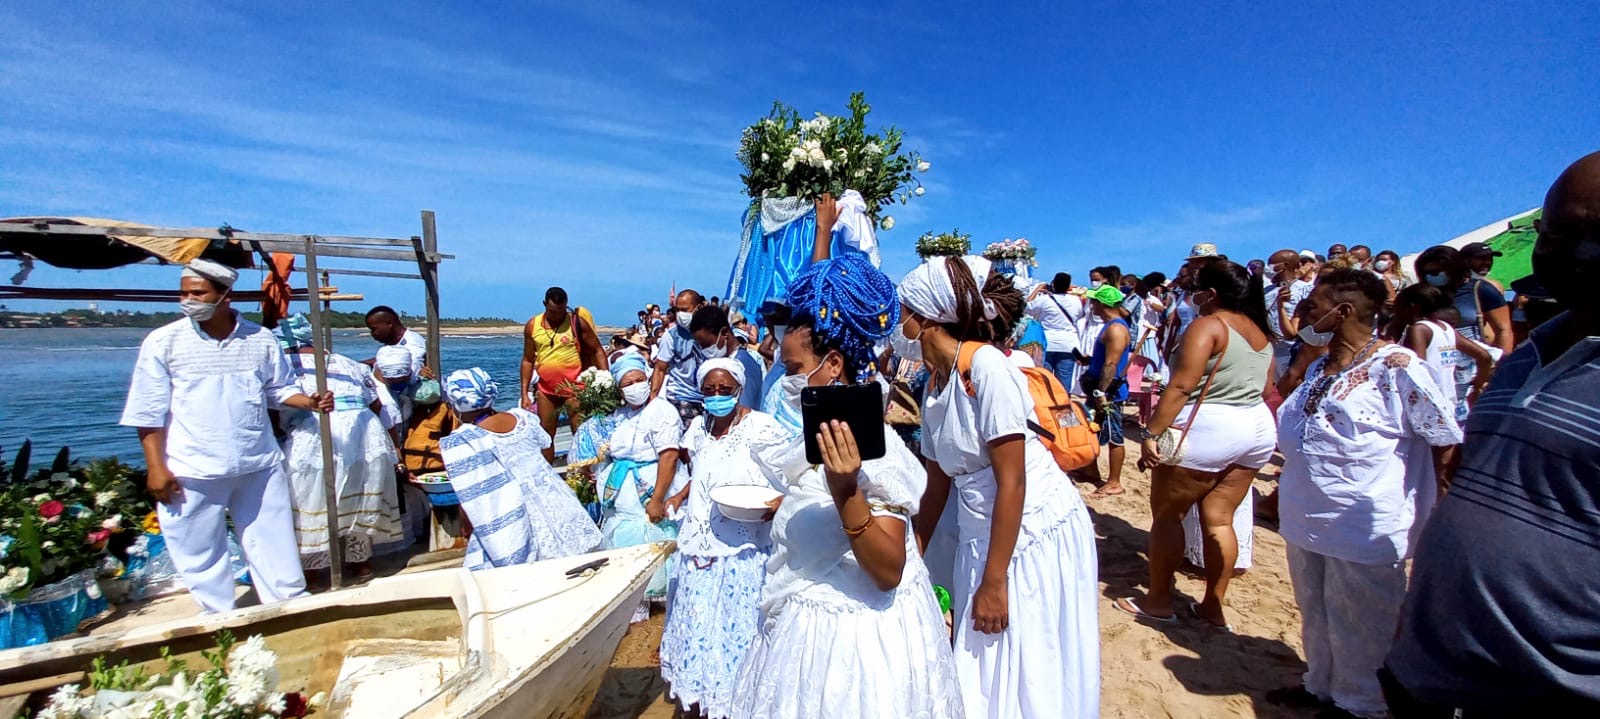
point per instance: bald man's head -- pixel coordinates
(1283, 263)
(1567, 253)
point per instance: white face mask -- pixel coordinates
(197, 310)
(794, 384)
(636, 394)
(715, 351)
(684, 318)
(1095, 284)
(1310, 335)
(905, 347)
(1381, 265)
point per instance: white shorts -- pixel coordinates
(1225, 435)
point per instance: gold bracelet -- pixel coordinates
(858, 531)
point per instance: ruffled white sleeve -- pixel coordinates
(893, 485)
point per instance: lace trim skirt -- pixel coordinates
(713, 612)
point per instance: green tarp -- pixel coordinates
(1516, 248)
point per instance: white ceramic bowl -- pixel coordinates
(744, 503)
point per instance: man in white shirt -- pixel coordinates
(1291, 285)
(384, 324)
(199, 397)
(1059, 312)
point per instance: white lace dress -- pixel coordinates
(831, 644)
(713, 604)
(626, 480)
(364, 466)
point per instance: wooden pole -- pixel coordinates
(324, 422)
(428, 266)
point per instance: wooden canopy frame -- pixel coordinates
(423, 250)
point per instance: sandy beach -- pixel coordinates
(1184, 670)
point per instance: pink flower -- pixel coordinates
(51, 508)
(113, 522)
(99, 535)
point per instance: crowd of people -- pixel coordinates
(1436, 434)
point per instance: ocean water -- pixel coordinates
(66, 387)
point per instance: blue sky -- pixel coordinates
(591, 144)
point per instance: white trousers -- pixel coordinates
(1348, 614)
(196, 528)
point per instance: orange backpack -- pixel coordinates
(1058, 421)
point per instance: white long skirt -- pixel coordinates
(364, 467)
(829, 656)
(1047, 661)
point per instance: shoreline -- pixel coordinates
(501, 330)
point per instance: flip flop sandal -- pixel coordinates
(1127, 606)
(1194, 609)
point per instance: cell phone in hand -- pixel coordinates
(859, 406)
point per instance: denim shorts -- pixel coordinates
(1111, 427)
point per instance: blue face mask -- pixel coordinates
(1437, 279)
(721, 405)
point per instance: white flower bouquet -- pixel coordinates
(596, 392)
(945, 244)
(241, 683)
(1018, 252)
(785, 156)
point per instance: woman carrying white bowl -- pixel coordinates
(849, 623)
(721, 564)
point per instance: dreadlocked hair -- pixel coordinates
(998, 289)
(848, 305)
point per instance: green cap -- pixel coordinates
(1107, 295)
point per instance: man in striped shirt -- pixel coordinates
(1501, 618)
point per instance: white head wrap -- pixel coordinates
(470, 389)
(927, 291)
(726, 364)
(209, 270)
(393, 361)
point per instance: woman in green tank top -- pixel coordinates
(1227, 434)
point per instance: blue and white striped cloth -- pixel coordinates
(520, 510)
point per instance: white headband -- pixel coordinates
(927, 290)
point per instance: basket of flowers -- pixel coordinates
(945, 244)
(789, 163)
(61, 528)
(1012, 257)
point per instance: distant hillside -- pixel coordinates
(123, 318)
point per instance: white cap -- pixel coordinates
(209, 270)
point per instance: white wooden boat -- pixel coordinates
(525, 641)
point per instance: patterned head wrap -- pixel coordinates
(393, 362)
(294, 331)
(853, 304)
(629, 363)
(470, 389)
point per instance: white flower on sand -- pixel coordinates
(887, 223)
(922, 166)
(317, 700)
(919, 191)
